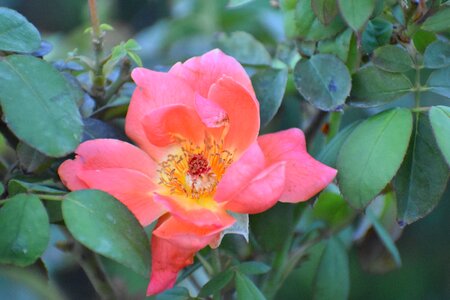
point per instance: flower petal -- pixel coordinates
(211, 114)
(132, 188)
(305, 176)
(154, 89)
(261, 193)
(167, 125)
(242, 110)
(191, 211)
(203, 71)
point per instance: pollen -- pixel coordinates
(194, 171)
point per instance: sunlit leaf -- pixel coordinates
(440, 123)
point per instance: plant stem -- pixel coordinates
(209, 269)
(124, 76)
(335, 123)
(312, 129)
(98, 85)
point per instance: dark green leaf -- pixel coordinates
(246, 289)
(38, 105)
(440, 123)
(216, 283)
(372, 154)
(269, 86)
(392, 59)
(374, 87)
(331, 208)
(356, 12)
(16, 186)
(377, 33)
(385, 237)
(30, 159)
(332, 277)
(176, 293)
(323, 80)
(308, 26)
(330, 152)
(25, 230)
(2, 188)
(245, 48)
(437, 55)
(339, 46)
(253, 268)
(439, 22)
(423, 176)
(97, 129)
(325, 10)
(422, 39)
(16, 33)
(106, 226)
(439, 82)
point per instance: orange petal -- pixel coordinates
(305, 176)
(154, 89)
(191, 211)
(202, 72)
(211, 114)
(167, 125)
(242, 110)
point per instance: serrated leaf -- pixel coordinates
(374, 87)
(245, 48)
(269, 86)
(439, 22)
(106, 226)
(440, 123)
(323, 80)
(216, 283)
(16, 33)
(325, 10)
(332, 277)
(423, 176)
(372, 154)
(392, 59)
(439, 82)
(437, 55)
(253, 268)
(356, 12)
(309, 28)
(25, 230)
(246, 289)
(38, 105)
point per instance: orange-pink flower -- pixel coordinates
(199, 157)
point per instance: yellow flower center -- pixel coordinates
(194, 171)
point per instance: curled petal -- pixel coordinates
(242, 110)
(305, 176)
(118, 168)
(211, 114)
(154, 90)
(203, 71)
(191, 211)
(167, 125)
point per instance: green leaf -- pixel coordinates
(331, 208)
(423, 176)
(323, 80)
(269, 85)
(437, 55)
(332, 277)
(16, 186)
(235, 3)
(216, 283)
(16, 33)
(330, 152)
(439, 22)
(422, 39)
(176, 293)
(245, 48)
(30, 159)
(372, 154)
(440, 123)
(253, 268)
(2, 188)
(392, 59)
(377, 33)
(384, 237)
(246, 289)
(339, 46)
(309, 28)
(374, 87)
(325, 10)
(38, 105)
(106, 226)
(439, 82)
(25, 230)
(356, 12)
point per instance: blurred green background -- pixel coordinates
(171, 31)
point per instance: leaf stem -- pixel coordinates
(98, 85)
(123, 78)
(209, 269)
(335, 123)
